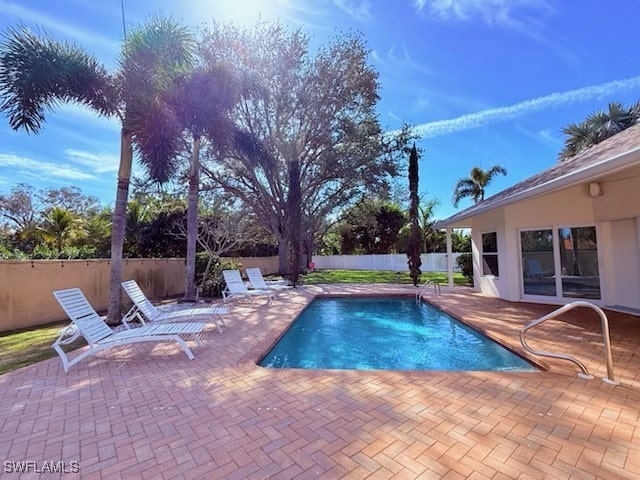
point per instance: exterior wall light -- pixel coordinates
(595, 190)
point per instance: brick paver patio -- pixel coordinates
(146, 412)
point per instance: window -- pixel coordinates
(490, 254)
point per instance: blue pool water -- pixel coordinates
(386, 334)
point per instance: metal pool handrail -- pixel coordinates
(425, 286)
(605, 336)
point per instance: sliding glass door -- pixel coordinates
(579, 262)
(570, 251)
(538, 267)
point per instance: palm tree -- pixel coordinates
(474, 186)
(426, 212)
(38, 72)
(202, 102)
(58, 225)
(137, 216)
(597, 127)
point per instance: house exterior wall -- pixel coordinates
(615, 214)
(624, 277)
(620, 198)
(492, 221)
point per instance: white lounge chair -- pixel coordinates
(237, 288)
(85, 322)
(257, 281)
(534, 268)
(144, 309)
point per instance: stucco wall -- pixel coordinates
(26, 286)
(568, 207)
(492, 221)
(620, 197)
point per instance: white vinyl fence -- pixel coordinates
(431, 262)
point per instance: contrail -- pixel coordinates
(500, 114)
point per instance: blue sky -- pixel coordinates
(484, 81)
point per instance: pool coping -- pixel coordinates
(257, 353)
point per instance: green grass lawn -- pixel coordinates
(377, 276)
(19, 348)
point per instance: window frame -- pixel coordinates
(495, 254)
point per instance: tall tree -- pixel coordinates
(371, 226)
(318, 110)
(20, 207)
(597, 127)
(70, 198)
(414, 249)
(475, 184)
(38, 72)
(202, 101)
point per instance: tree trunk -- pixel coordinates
(309, 245)
(118, 227)
(413, 252)
(282, 255)
(192, 222)
(295, 220)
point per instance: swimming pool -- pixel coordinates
(386, 333)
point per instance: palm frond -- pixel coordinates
(153, 56)
(158, 141)
(203, 102)
(38, 72)
(495, 170)
(464, 188)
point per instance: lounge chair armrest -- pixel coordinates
(131, 315)
(68, 335)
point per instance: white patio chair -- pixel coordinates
(237, 288)
(86, 323)
(143, 309)
(257, 281)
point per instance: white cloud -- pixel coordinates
(493, 12)
(501, 114)
(543, 137)
(359, 10)
(85, 115)
(97, 162)
(399, 61)
(549, 136)
(82, 36)
(32, 168)
(394, 116)
(519, 15)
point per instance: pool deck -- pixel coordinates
(147, 412)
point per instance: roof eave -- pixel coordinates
(607, 166)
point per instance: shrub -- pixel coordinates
(213, 284)
(465, 263)
(11, 254)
